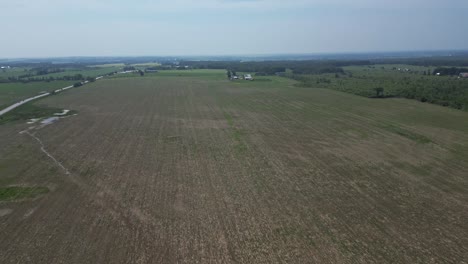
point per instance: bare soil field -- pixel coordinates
(197, 169)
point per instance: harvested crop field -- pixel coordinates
(197, 169)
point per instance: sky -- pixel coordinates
(57, 28)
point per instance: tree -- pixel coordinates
(141, 72)
(229, 74)
(78, 77)
(129, 68)
(379, 91)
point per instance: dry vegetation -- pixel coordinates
(167, 169)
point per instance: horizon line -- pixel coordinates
(241, 55)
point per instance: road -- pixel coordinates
(22, 102)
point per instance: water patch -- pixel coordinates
(64, 112)
(50, 120)
(33, 120)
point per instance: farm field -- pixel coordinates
(91, 72)
(188, 167)
(13, 92)
(12, 72)
(24, 73)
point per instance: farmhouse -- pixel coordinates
(248, 77)
(464, 75)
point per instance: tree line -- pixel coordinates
(10, 79)
(452, 71)
(445, 91)
(455, 61)
(274, 67)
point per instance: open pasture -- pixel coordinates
(13, 92)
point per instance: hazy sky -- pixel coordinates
(40, 28)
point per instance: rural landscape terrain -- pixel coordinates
(334, 161)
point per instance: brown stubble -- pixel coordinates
(167, 170)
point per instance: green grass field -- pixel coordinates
(13, 92)
(4, 74)
(208, 74)
(18, 193)
(93, 71)
(85, 72)
(148, 64)
(118, 65)
(30, 111)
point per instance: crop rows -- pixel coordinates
(169, 169)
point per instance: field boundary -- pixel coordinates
(67, 172)
(22, 102)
